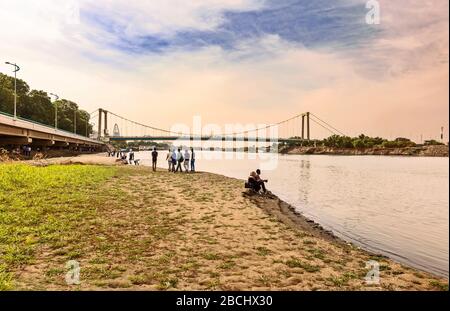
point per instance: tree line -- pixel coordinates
(362, 141)
(37, 106)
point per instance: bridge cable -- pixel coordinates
(329, 125)
(331, 131)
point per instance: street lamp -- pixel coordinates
(56, 110)
(87, 122)
(16, 69)
(75, 121)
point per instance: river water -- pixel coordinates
(396, 206)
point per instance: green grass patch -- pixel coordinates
(44, 206)
(296, 263)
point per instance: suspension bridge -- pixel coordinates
(294, 129)
(17, 131)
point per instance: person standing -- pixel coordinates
(169, 159)
(187, 157)
(154, 159)
(131, 156)
(180, 160)
(174, 160)
(192, 160)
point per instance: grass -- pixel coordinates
(297, 263)
(42, 206)
(438, 285)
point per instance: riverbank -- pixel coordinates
(422, 151)
(131, 228)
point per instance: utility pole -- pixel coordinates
(16, 69)
(56, 110)
(75, 121)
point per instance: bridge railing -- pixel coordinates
(72, 134)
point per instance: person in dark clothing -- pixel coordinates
(180, 160)
(253, 183)
(131, 156)
(192, 160)
(261, 181)
(154, 159)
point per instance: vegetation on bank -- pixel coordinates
(137, 144)
(362, 141)
(36, 105)
(129, 227)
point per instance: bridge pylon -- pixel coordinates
(102, 116)
(308, 126)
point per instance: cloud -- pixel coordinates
(160, 62)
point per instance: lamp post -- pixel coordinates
(75, 121)
(16, 69)
(56, 110)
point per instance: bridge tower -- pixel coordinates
(100, 117)
(308, 128)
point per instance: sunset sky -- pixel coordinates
(161, 62)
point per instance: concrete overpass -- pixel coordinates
(23, 132)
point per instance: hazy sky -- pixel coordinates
(161, 62)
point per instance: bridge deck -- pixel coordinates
(202, 138)
(18, 131)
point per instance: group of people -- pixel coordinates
(127, 156)
(176, 159)
(26, 151)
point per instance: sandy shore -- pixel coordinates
(165, 231)
(93, 159)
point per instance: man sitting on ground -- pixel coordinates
(252, 182)
(261, 181)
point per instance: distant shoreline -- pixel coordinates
(422, 151)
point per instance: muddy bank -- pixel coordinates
(422, 151)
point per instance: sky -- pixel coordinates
(161, 62)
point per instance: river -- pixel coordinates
(396, 206)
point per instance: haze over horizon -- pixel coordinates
(161, 62)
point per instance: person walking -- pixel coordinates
(154, 159)
(131, 156)
(169, 159)
(192, 160)
(180, 160)
(187, 157)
